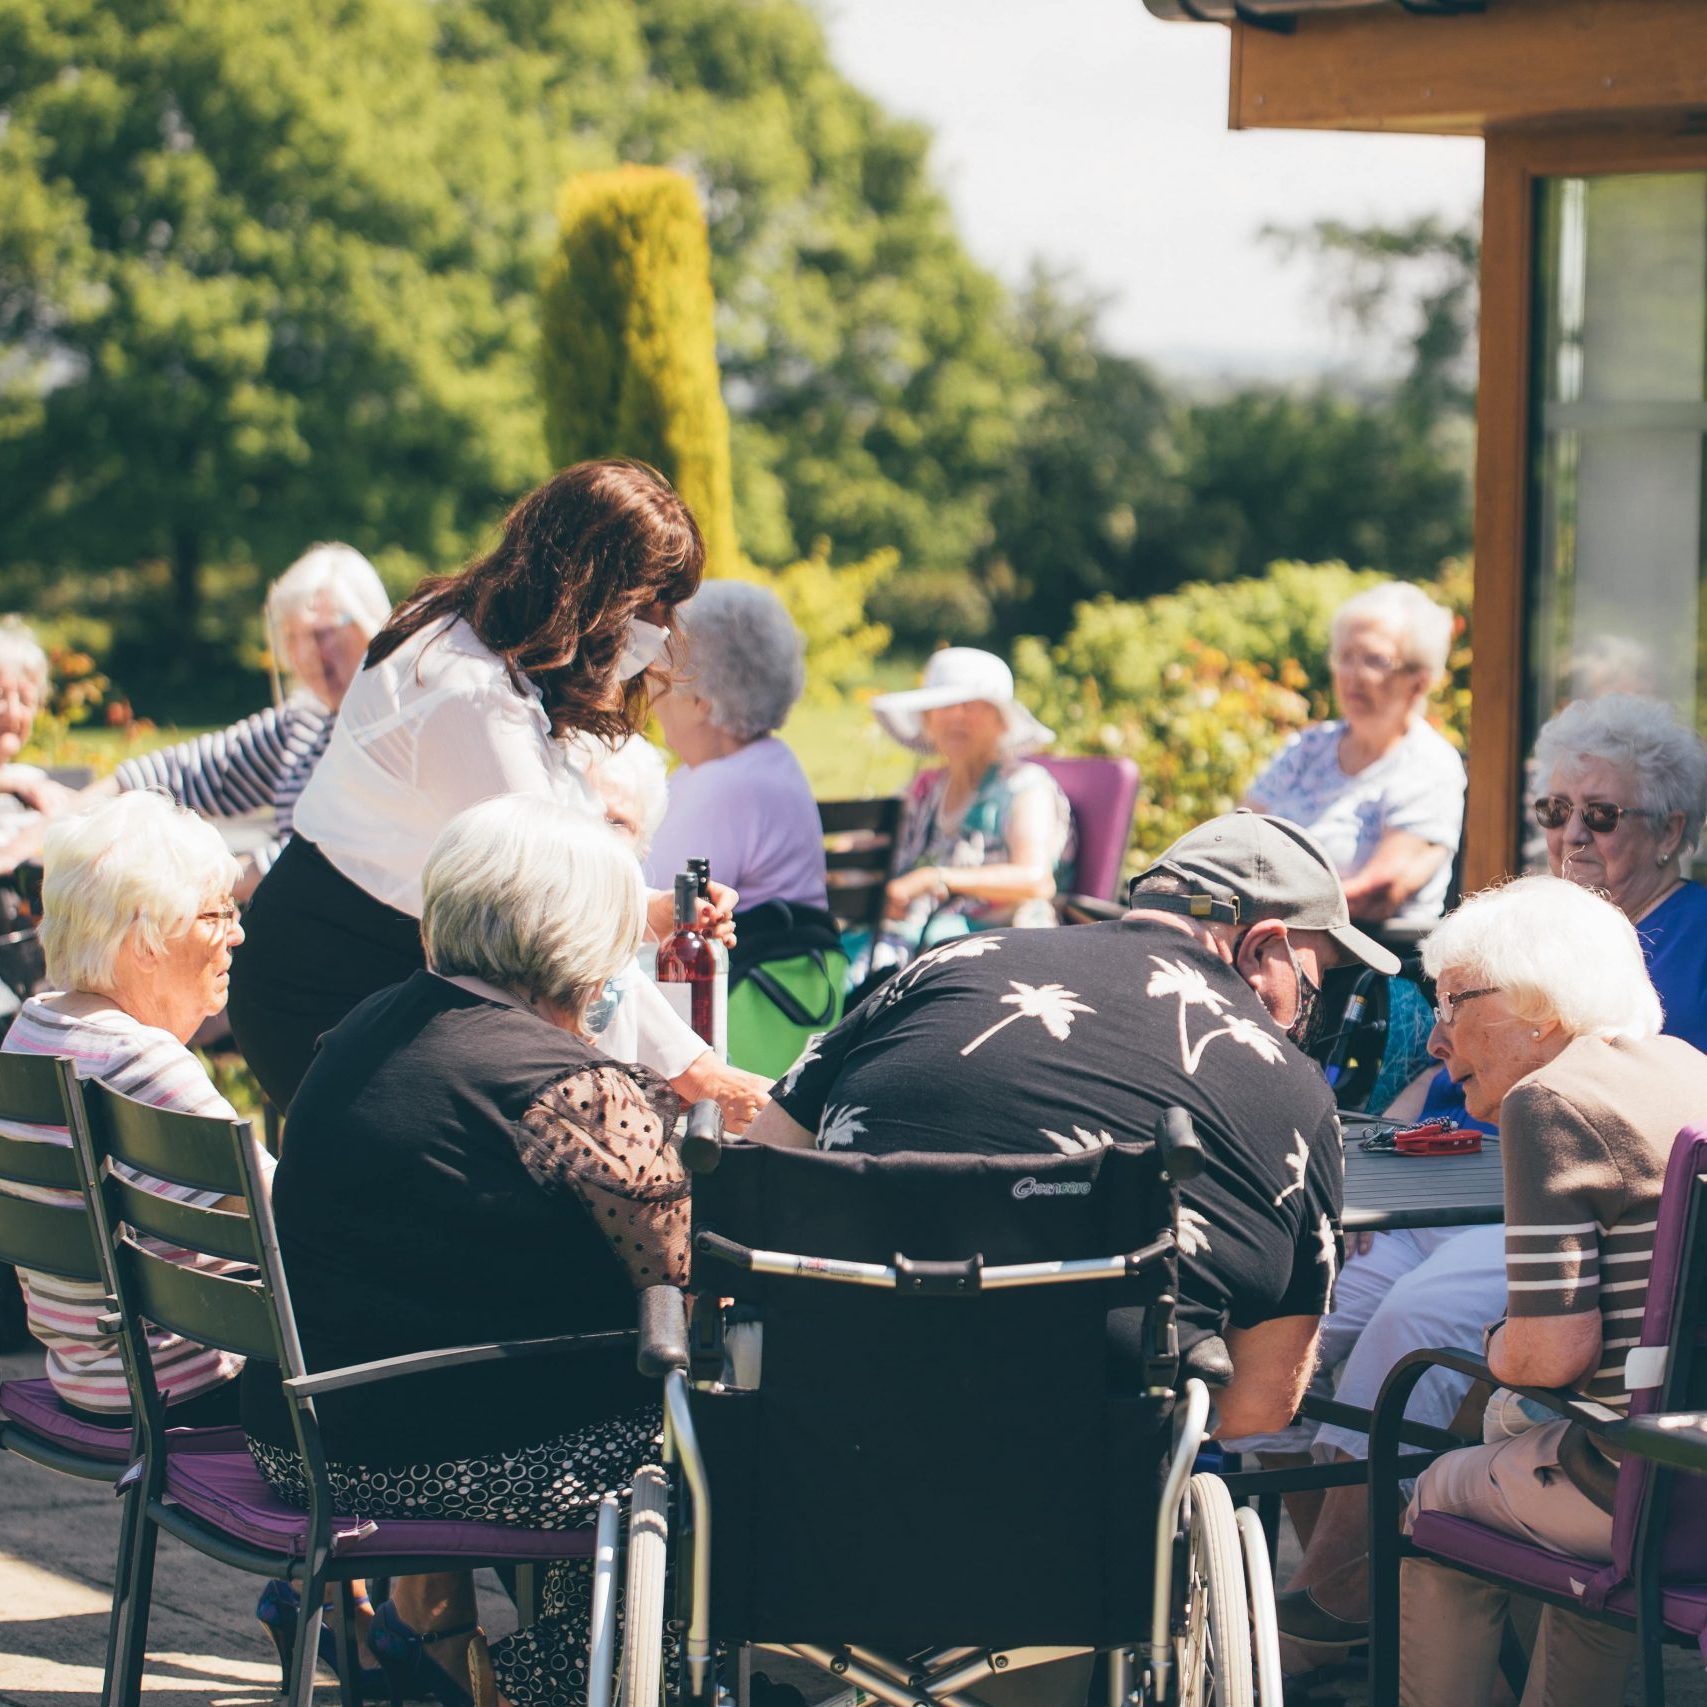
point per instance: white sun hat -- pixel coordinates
(958, 675)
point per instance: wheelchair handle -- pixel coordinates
(932, 1279)
(702, 1137)
(663, 1331)
(1176, 1138)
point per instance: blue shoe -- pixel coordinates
(411, 1673)
(279, 1608)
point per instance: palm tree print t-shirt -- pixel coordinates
(1040, 1041)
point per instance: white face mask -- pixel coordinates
(641, 647)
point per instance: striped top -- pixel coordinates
(1586, 1141)
(264, 761)
(154, 1067)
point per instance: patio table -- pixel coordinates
(1384, 1191)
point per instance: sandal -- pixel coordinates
(279, 1608)
(482, 1680)
(411, 1673)
(1321, 1635)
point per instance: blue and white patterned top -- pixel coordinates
(1418, 787)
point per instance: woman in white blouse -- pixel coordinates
(470, 691)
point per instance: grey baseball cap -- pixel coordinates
(1246, 867)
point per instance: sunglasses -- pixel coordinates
(1600, 817)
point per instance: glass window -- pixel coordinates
(1619, 426)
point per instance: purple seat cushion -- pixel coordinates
(225, 1489)
(35, 1406)
(1460, 1541)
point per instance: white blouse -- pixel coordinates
(436, 727)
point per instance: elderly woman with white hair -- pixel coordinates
(464, 1113)
(138, 928)
(1381, 790)
(739, 797)
(320, 615)
(1589, 1098)
(23, 691)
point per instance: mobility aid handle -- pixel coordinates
(1176, 1138)
(964, 1277)
(702, 1137)
(663, 1331)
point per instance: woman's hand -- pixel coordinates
(36, 789)
(713, 917)
(738, 1093)
(912, 886)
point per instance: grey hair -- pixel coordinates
(633, 765)
(1665, 761)
(344, 575)
(139, 864)
(1422, 629)
(21, 653)
(745, 657)
(539, 898)
(1557, 951)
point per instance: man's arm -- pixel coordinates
(1272, 1365)
(772, 1126)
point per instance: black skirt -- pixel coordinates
(315, 945)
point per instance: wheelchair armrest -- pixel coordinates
(1209, 1360)
(663, 1331)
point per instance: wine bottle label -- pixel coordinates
(680, 998)
(720, 1008)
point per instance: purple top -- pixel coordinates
(753, 816)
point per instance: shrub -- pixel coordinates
(628, 354)
(1203, 685)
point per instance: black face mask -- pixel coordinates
(1306, 1027)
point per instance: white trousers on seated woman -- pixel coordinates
(1445, 1295)
(1423, 1286)
(1517, 1488)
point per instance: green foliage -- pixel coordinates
(1202, 686)
(628, 357)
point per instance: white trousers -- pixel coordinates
(1423, 1286)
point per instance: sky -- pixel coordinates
(1093, 136)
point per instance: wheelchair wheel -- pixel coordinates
(1265, 1620)
(641, 1680)
(1214, 1644)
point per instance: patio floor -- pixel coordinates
(57, 1538)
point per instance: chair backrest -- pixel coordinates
(967, 1467)
(1103, 794)
(246, 1311)
(1670, 1345)
(52, 1237)
(859, 848)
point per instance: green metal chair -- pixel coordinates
(218, 1502)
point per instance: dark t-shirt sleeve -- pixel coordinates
(1316, 1250)
(803, 1090)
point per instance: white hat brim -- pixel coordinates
(899, 714)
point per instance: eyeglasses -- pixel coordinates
(1446, 1007)
(225, 916)
(1600, 817)
(1371, 663)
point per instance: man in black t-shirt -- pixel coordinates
(1038, 1041)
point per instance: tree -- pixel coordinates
(1096, 470)
(628, 360)
(1416, 287)
(241, 304)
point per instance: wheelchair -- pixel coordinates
(926, 1428)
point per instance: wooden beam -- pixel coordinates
(1497, 677)
(1520, 62)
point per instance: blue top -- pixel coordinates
(1674, 944)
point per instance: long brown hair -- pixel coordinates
(579, 556)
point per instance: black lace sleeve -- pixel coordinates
(605, 1136)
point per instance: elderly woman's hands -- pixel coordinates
(910, 886)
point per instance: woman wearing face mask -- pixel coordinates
(466, 693)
